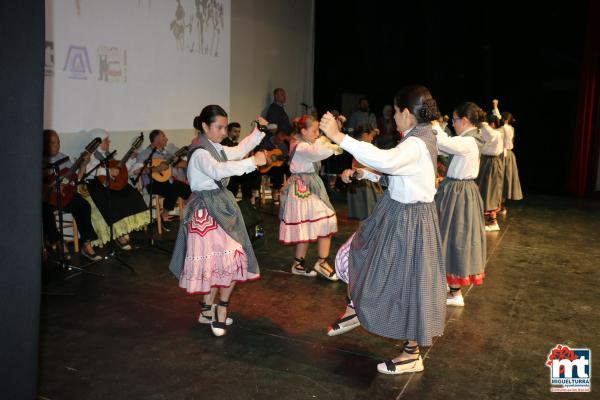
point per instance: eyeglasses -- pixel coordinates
(456, 119)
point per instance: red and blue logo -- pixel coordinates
(570, 369)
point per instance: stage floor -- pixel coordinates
(136, 336)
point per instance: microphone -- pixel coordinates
(304, 105)
(58, 162)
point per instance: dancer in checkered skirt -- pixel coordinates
(459, 203)
(305, 212)
(394, 262)
(213, 251)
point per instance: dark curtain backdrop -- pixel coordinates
(586, 140)
(21, 88)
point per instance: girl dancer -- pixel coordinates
(394, 263)
(305, 211)
(511, 190)
(491, 171)
(362, 194)
(213, 250)
(459, 204)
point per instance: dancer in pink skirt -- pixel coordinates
(306, 214)
(213, 250)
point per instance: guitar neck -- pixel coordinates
(127, 156)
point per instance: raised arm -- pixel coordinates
(202, 161)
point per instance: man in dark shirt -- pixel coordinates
(276, 113)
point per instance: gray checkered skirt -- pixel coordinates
(462, 227)
(396, 272)
(489, 180)
(512, 184)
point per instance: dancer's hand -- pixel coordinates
(348, 175)
(495, 103)
(329, 126)
(260, 159)
(262, 121)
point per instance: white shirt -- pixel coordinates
(308, 153)
(412, 175)
(493, 143)
(203, 170)
(465, 160)
(509, 135)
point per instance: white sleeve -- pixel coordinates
(245, 146)
(371, 176)
(314, 152)
(452, 145)
(401, 160)
(496, 112)
(202, 160)
(490, 135)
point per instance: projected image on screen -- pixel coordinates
(134, 65)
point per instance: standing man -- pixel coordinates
(276, 114)
(362, 117)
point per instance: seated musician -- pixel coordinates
(125, 207)
(171, 189)
(78, 207)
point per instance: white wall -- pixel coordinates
(271, 46)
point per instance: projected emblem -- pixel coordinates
(49, 59)
(112, 64)
(77, 62)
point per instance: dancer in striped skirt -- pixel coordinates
(394, 263)
(459, 204)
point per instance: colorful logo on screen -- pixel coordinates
(570, 369)
(78, 63)
(112, 64)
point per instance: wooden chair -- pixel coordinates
(157, 204)
(71, 234)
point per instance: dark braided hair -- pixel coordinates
(472, 112)
(419, 102)
(208, 116)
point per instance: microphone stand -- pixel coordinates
(113, 253)
(147, 164)
(62, 261)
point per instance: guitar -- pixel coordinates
(275, 158)
(174, 159)
(67, 177)
(118, 182)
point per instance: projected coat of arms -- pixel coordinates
(77, 62)
(112, 64)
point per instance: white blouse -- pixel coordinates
(412, 175)
(465, 160)
(493, 143)
(308, 153)
(509, 136)
(203, 170)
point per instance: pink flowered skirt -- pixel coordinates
(213, 258)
